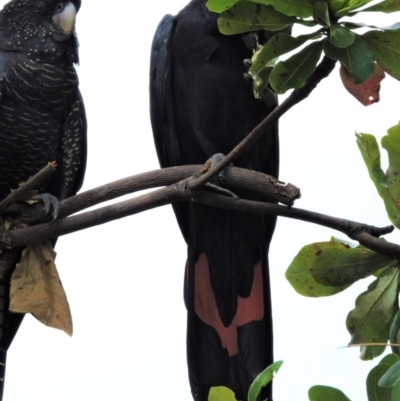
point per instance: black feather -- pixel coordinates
(42, 117)
(201, 105)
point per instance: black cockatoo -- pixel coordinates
(201, 105)
(42, 116)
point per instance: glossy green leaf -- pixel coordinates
(374, 391)
(386, 48)
(387, 6)
(341, 37)
(375, 309)
(279, 44)
(299, 272)
(358, 59)
(246, 16)
(321, 13)
(218, 6)
(292, 73)
(326, 393)
(351, 5)
(298, 8)
(263, 379)
(341, 266)
(396, 392)
(221, 394)
(391, 377)
(394, 335)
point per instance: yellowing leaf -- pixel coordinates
(221, 394)
(366, 93)
(36, 288)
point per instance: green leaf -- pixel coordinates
(396, 392)
(279, 44)
(351, 5)
(391, 377)
(355, 25)
(342, 266)
(260, 83)
(326, 393)
(370, 152)
(299, 272)
(263, 379)
(387, 6)
(321, 13)
(389, 360)
(292, 73)
(394, 335)
(375, 309)
(307, 23)
(246, 16)
(358, 59)
(336, 5)
(221, 394)
(369, 149)
(298, 8)
(386, 48)
(374, 391)
(341, 37)
(218, 6)
(391, 143)
(370, 352)
(387, 185)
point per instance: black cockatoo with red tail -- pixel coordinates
(42, 116)
(201, 105)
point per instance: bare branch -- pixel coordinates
(263, 184)
(365, 234)
(322, 71)
(160, 197)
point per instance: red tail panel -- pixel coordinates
(249, 309)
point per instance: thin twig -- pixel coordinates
(365, 234)
(322, 71)
(32, 182)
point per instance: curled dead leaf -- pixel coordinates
(366, 93)
(36, 288)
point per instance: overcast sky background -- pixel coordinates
(124, 279)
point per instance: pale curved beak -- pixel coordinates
(66, 18)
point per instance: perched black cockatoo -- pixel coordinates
(42, 116)
(201, 105)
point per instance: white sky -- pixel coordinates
(124, 279)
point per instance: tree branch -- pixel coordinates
(365, 234)
(322, 71)
(263, 184)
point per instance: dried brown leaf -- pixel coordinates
(36, 288)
